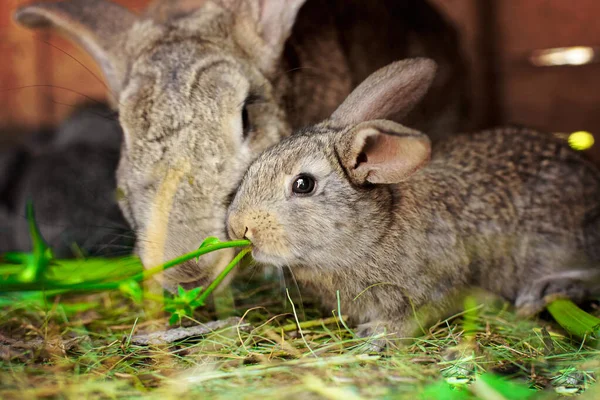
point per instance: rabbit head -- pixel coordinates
(194, 83)
(325, 191)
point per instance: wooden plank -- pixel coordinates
(43, 74)
(18, 70)
(561, 99)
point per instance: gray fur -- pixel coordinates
(513, 211)
(69, 177)
(180, 75)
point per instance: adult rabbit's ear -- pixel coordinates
(382, 152)
(392, 91)
(99, 26)
(264, 26)
(276, 19)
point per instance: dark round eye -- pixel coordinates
(246, 123)
(303, 184)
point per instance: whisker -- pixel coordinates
(96, 77)
(298, 69)
(54, 87)
(282, 280)
(254, 266)
(112, 116)
(77, 61)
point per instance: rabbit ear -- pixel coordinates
(390, 92)
(161, 10)
(271, 20)
(97, 25)
(382, 152)
(276, 20)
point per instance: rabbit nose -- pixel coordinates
(236, 228)
(234, 234)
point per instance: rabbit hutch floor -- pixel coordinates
(273, 343)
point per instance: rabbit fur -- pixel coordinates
(204, 86)
(68, 175)
(396, 227)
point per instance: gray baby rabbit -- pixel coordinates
(355, 204)
(203, 86)
(70, 180)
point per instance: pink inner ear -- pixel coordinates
(380, 149)
(391, 159)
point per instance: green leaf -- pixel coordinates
(38, 270)
(503, 388)
(197, 303)
(94, 269)
(444, 391)
(192, 294)
(42, 255)
(209, 241)
(132, 289)
(175, 318)
(574, 320)
(16, 257)
(184, 303)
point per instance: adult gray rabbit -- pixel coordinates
(70, 180)
(355, 204)
(203, 86)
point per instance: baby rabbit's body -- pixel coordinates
(350, 205)
(524, 207)
(509, 210)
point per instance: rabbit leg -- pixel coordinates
(576, 284)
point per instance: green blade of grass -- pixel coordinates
(103, 283)
(191, 255)
(574, 320)
(441, 390)
(222, 275)
(41, 255)
(490, 386)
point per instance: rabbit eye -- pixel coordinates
(303, 184)
(246, 124)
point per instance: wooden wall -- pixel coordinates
(42, 75)
(562, 98)
(499, 37)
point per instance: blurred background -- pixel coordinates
(43, 76)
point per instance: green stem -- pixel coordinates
(196, 253)
(99, 286)
(223, 274)
(57, 288)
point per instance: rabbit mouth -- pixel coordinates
(268, 258)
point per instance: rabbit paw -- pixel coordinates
(375, 333)
(534, 297)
